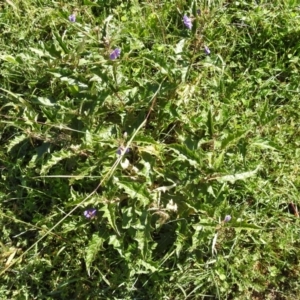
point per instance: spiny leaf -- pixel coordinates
(148, 267)
(264, 144)
(55, 158)
(61, 42)
(233, 138)
(115, 242)
(93, 248)
(9, 58)
(244, 226)
(110, 215)
(135, 190)
(16, 140)
(44, 101)
(183, 153)
(240, 176)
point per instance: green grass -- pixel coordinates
(209, 136)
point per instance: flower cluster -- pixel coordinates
(187, 22)
(72, 18)
(121, 149)
(90, 213)
(227, 218)
(206, 50)
(115, 54)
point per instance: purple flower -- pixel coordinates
(115, 54)
(198, 12)
(187, 22)
(72, 18)
(121, 150)
(227, 218)
(90, 213)
(206, 50)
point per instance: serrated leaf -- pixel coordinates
(179, 48)
(88, 138)
(115, 242)
(147, 266)
(213, 244)
(141, 242)
(60, 42)
(145, 139)
(245, 226)
(16, 96)
(10, 258)
(235, 177)
(233, 138)
(151, 149)
(17, 140)
(219, 160)
(185, 154)
(164, 188)
(55, 158)
(110, 215)
(9, 58)
(39, 52)
(266, 145)
(90, 3)
(135, 190)
(91, 251)
(44, 101)
(128, 216)
(142, 233)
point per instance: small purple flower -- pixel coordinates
(72, 18)
(198, 12)
(121, 150)
(115, 54)
(187, 22)
(206, 50)
(90, 213)
(227, 218)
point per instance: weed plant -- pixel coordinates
(149, 149)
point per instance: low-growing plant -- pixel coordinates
(149, 150)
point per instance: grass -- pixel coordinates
(209, 135)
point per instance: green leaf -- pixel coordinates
(16, 96)
(115, 242)
(95, 245)
(244, 226)
(185, 154)
(110, 214)
(16, 140)
(55, 158)
(135, 191)
(219, 160)
(149, 268)
(45, 101)
(264, 144)
(210, 124)
(9, 58)
(179, 48)
(90, 3)
(39, 52)
(60, 42)
(233, 138)
(235, 177)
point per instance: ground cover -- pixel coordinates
(149, 150)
